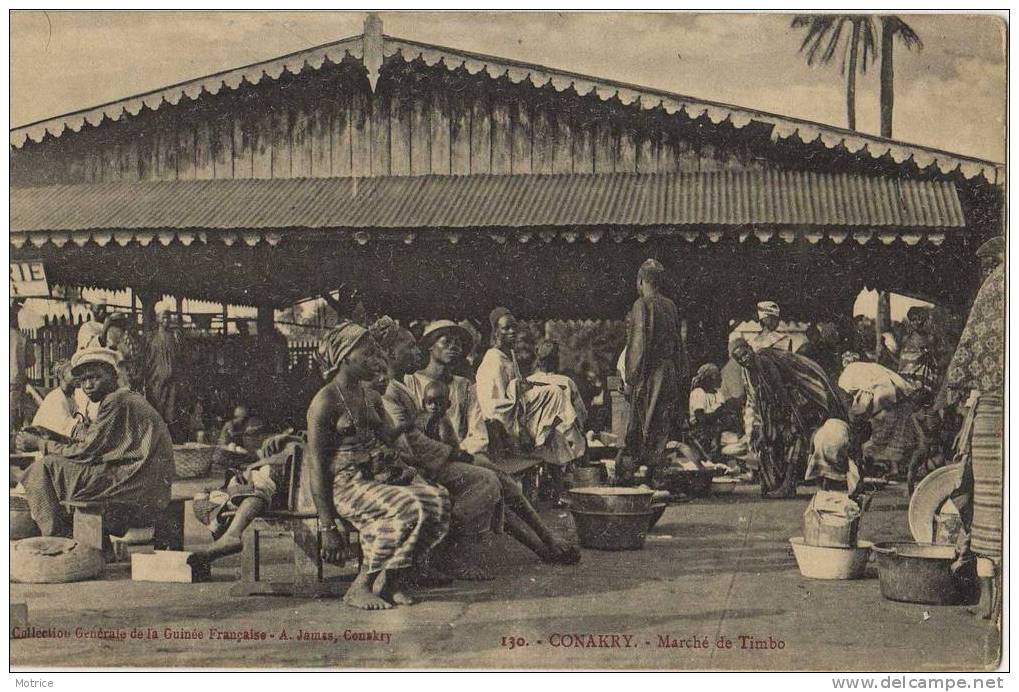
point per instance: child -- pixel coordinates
(233, 430)
(433, 421)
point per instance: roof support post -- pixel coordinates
(264, 319)
(148, 300)
(882, 322)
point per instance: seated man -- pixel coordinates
(64, 413)
(541, 416)
(125, 456)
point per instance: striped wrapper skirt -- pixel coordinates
(988, 476)
(396, 523)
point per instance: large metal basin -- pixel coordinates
(612, 530)
(921, 573)
(601, 499)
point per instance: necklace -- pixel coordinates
(359, 430)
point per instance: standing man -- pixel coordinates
(655, 367)
(22, 358)
(164, 356)
(90, 333)
(768, 314)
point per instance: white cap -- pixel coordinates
(95, 354)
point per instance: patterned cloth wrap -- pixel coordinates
(979, 359)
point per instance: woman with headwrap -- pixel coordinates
(468, 477)
(541, 415)
(788, 397)
(656, 374)
(708, 410)
(976, 375)
(353, 474)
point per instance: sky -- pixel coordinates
(951, 95)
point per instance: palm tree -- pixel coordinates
(892, 27)
(821, 43)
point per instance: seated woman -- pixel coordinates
(247, 494)
(444, 341)
(398, 515)
(541, 415)
(710, 413)
(63, 414)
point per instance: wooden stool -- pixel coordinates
(509, 457)
(92, 521)
(169, 525)
(306, 572)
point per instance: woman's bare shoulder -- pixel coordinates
(324, 400)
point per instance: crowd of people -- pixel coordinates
(403, 439)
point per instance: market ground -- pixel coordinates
(711, 571)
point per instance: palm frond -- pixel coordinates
(905, 32)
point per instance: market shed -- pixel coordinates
(440, 182)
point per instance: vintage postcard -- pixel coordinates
(507, 340)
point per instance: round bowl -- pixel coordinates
(599, 499)
(612, 530)
(822, 562)
(930, 498)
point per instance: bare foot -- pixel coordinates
(362, 597)
(561, 552)
(390, 587)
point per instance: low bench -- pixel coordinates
(306, 570)
(92, 520)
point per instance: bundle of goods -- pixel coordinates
(829, 547)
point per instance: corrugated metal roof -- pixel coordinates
(725, 198)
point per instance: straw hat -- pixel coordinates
(439, 327)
